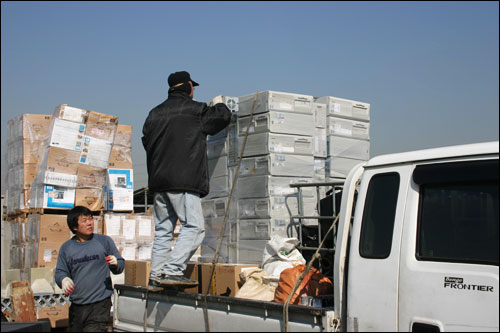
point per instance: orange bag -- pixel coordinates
(313, 284)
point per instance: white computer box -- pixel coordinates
(349, 128)
(217, 167)
(265, 143)
(221, 186)
(319, 169)
(277, 207)
(278, 165)
(119, 190)
(229, 130)
(277, 122)
(339, 146)
(346, 108)
(320, 113)
(265, 186)
(216, 208)
(274, 100)
(320, 142)
(339, 167)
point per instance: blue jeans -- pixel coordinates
(168, 207)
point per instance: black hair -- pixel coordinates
(74, 214)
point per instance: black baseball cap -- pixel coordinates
(180, 77)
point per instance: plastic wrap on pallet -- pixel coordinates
(120, 157)
(123, 136)
(32, 127)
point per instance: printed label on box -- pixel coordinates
(59, 197)
(67, 135)
(144, 227)
(60, 179)
(113, 225)
(96, 152)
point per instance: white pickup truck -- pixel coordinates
(417, 249)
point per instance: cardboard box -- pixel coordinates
(58, 197)
(52, 228)
(61, 160)
(29, 126)
(96, 152)
(120, 158)
(89, 176)
(137, 272)
(92, 198)
(120, 190)
(70, 113)
(123, 136)
(66, 134)
(227, 278)
(101, 126)
(58, 315)
(32, 151)
(191, 273)
(47, 253)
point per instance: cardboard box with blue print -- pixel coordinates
(120, 190)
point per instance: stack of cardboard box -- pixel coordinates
(26, 136)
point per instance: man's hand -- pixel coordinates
(111, 260)
(218, 99)
(68, 286)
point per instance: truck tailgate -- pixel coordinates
(179, 311)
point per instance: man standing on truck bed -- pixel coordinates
(174, 137)
(83, 269)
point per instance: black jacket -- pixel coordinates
(174, 136)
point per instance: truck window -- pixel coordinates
(378, 216)
(458, 213)
(459, 223)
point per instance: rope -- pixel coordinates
(219, 241)
(302, 275)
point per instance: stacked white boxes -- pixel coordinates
(278, 152)
(133, 234)
(348, 135)
(221, 153)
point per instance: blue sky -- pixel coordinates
(428, 69)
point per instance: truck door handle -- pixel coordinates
(421, 327)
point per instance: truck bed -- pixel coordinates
(180, 311)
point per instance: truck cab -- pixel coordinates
(419, 249)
